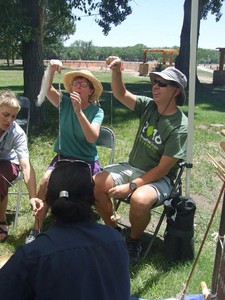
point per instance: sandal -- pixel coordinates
(2, 231)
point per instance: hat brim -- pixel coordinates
(68, 78)
(181, 97)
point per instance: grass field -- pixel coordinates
(153, 278)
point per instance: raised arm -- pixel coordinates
(119, 90)
(52, 94)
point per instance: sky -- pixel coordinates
(155, 24)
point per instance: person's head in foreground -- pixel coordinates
(76, 258)
(171, 77)
(70, 192)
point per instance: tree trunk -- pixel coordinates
(7, 51)
(33, 63)
(183, 59)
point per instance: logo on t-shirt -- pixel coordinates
(150, 136)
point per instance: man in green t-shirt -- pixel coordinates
(159, 145)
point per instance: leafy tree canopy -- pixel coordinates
(213, 6)
(107, 12)
(33, 25)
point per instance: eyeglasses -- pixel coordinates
(65, 162)
(163, 84)
(76, 163)
(81, 83)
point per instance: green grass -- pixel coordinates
(153, 278)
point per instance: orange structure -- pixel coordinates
(164, 52)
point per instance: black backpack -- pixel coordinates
(179, 233)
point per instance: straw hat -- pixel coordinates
(68, 78)
(173, 74)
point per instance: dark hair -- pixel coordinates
(74, 203)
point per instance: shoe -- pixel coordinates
(32, 236)
(134, 249)
(118, 228)
(96, 216)
(2, 231)
(222, 145)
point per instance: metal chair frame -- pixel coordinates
(107, 139)
(23, 120)
(176, 190)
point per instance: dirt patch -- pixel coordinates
(205, 73)
(202, 203)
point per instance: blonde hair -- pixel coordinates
(9, 99)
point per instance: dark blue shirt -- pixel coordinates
(83, 261)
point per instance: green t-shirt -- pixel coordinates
(158, 135)
(72, 139)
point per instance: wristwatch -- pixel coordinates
(133, 186)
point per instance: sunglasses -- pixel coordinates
(81, 83)
(82, 165)
(78, 163)
(163, 84)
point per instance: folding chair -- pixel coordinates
(106, 139)
(176, 190)
(23, 119)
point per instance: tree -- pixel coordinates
(10, 38)
(84, 50)
(34, 14)
(205, 6)
(59, 15)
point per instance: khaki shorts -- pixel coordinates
(124, 173)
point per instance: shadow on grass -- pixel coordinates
(13, 88)
(212, 97)
(15, 67)
(157, 268)
(14, 240)
(208, 97)
(155, 264)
